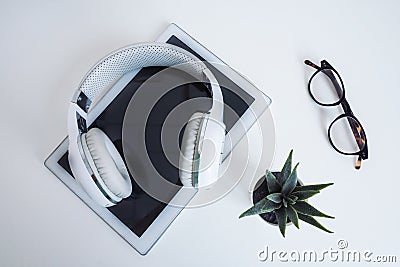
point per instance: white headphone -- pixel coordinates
(94, 160)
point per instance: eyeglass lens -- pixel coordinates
(322, 87)
(345, 138)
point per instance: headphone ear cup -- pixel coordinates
(187, 156)
(109, 163)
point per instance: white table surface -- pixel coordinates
(47, 46)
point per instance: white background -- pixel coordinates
(47, 46)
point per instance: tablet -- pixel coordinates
(141, 219)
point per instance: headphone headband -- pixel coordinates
(115, 65)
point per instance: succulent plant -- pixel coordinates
(287, 199)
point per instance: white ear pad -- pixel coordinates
(188, 148)
(108, 162)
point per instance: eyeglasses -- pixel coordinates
(345, 133)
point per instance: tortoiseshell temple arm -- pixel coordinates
(309, 63)
(358, 163)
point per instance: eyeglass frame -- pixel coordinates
(325, 66)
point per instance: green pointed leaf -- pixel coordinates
(262, 206)
(302, 195)
(255, 209)
(270, 206)
(287, 169)
(291, 182)
(312, 221)
(281, 217)
(305, 208)
(275, 197)
(272, 183)
(316, 187)
(293, 217)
